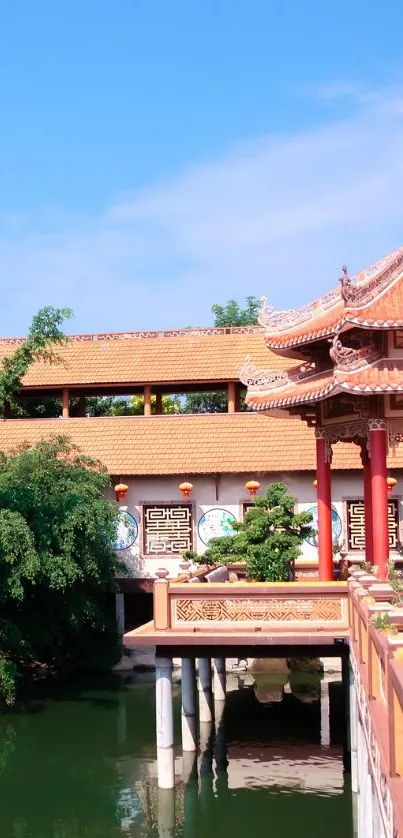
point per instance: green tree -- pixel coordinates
(231, 314)
(268, 540)
(56, 562)
(44, 334)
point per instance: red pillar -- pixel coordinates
(379, 491)
(325, 538)
(369, 538)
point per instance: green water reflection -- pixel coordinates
(80, 763)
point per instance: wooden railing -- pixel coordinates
(377, 661)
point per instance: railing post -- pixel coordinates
(162, 616)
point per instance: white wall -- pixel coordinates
(231, 495)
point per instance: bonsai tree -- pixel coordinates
(268, 540)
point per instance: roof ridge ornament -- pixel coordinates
(345, 283)
(262, 379)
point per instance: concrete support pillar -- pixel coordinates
(378, 448)
(165, 723)
(166, 813)
(324, 714)
(231, 397)
(189, 722)
(219, 679)
(325, 537)
(147, 400)
(81, 406)
(120, 614)
(158, 403)
(205, 690)
(65, 403)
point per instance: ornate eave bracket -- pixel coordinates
(355, 432)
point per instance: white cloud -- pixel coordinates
(276, 216)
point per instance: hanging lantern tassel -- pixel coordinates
(120, 490)
(186, 489)
(252, 486)
(390, 483)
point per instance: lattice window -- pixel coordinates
(167, 530)
(356, 524)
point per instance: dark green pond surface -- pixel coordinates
(79, 762)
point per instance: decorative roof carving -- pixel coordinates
(272, 319)
(262, 379)
(348, 358)
(363, 289)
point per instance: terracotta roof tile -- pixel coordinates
(197, 444)
(191, 357)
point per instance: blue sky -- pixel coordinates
(157, 156)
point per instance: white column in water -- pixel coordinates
(219, 679)
(324, 714)
(120, 615)
(189, 722)
(205, 690)
(165, 723)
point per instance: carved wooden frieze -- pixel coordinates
(269, 610)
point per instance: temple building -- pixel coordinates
(187, 474)
(348, 386)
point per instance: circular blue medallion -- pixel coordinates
(336, 525)
(215, 523)
(127, 531)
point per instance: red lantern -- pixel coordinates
(186, 489)
(390, 484)
(252, 486)
(121, 490)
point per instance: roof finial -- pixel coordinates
(345, 282)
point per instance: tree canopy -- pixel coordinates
(268, 539)
(232, 314)
(56, 561)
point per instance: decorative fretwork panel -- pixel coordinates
(356, 524)
(167, 529)
(268, 610)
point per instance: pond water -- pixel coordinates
(79, 762)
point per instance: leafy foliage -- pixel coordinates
(231, 314)
(269, 538)
(43, 335)
(56, 561)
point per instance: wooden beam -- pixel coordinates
(231, 397)
(147, 400)
(65, 403)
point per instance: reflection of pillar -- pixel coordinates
(205, 690)
(189, 726)
(165, 723)
(206, 766)
(369, 541)
(220, 738)
(324, 500)
(190, 794)
(324, 714)
(219, 680)
(353, 745)
(378, 448)
(120, 618)
(121, 720)
(166, 813)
